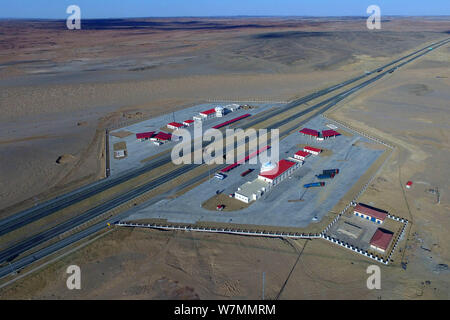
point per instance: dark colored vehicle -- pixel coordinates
(335, 171)
(325, 176)
(243, 174)
(314, 184)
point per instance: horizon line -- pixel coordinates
(225, 16)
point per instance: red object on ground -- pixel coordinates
(207, 112)
(176, 124)
(302, 154)
(310, 132)
(378, 214)
(282, 166)
(381, 239)
(243, 174)
(234, 165)
(145, 135)
(409, 184)
(231, 121)
(163, 136)
(330, 133)
(308, 148)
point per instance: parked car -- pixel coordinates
(220, 176)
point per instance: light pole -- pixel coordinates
(263, 284)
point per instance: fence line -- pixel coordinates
(293, 235)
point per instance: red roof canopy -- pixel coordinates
(372, 212)
(282, 166)
(409, 183)
(302, 153)
(175, 124)
(145, 135)
(208, 111)
(312, 149)
(188, 121)
(251, 155)
(163, 136)
(330, 133)
(310, 132)
(381, 238)
(231, 121)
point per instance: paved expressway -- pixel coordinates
(58, 203)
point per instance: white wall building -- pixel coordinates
(251, 190)
(220, 111)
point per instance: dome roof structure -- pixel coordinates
(268, 166)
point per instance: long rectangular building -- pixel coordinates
(175, 125)
(283, 169)
(301, 155)
(208, 113)
(370, 213)
(314, 151)
(231, 121)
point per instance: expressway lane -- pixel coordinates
(44, 209)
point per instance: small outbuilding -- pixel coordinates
(301, 155)
(211, 113)
(175, 125)
(314, 151)
(162, 137)
(145, 135)
(188, 123)
(381, 240)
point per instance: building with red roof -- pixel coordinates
(162, 137)
(409, 184)
(312, 150)
(381, 240)
(279, 172)
(188, 123)
(145, 135)
(301, 155)
(208, 113)
(175, 125)
(330, 133)
(309, 132)
(370, 213)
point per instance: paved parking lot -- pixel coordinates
(273, 208)
(137, 150)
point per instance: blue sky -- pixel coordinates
(162, 8)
